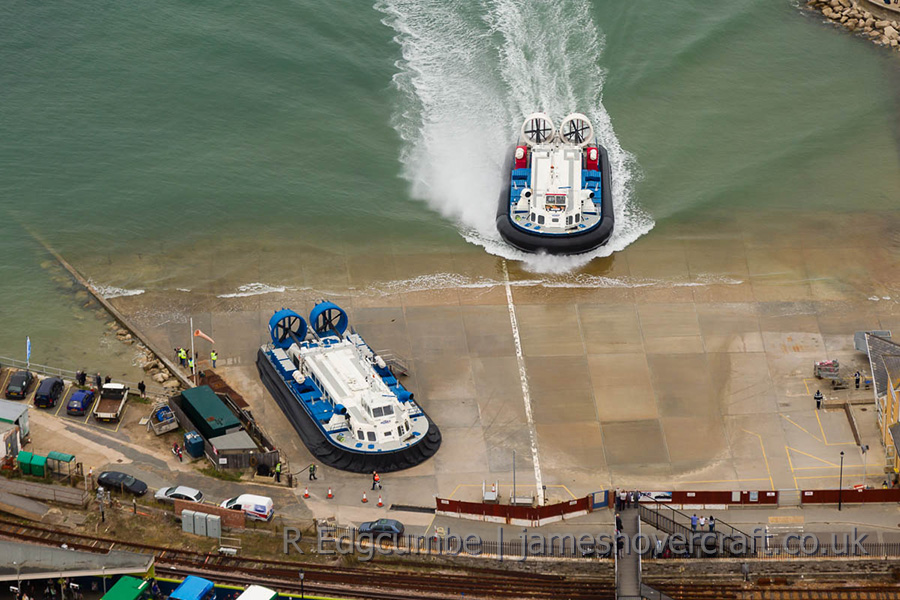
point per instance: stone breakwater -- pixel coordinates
(854, 15)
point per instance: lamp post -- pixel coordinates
(841, 481)
(302, 577)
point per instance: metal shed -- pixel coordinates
(15, 413)
(207, 412)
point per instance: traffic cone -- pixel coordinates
(493, 488)
(364, 498)
(330, 495)
(380, 503)
(306, 492)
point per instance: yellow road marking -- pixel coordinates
(6, 376)
(729, 480)
(827, 462)
(791, 465)
(64, 398)
(800, 427)
(765, 458)
(825, 439)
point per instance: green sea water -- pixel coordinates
(159, 145)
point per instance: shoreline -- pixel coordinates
(862, 18)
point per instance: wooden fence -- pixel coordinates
(527, 516)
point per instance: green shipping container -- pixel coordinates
(38, 465)
(127, 588)
(208, 412)
(24, 459)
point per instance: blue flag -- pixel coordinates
(27, 349)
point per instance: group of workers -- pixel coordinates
(186, 360)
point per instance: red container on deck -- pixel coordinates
(592, 159)
(521, 151)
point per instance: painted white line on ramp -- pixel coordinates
(526, 394)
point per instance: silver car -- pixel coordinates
(180, 492)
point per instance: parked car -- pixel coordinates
(80, 403)
(181, 492)
(49, 392)
(18, 385)
(389, 526)
(258, 508)
(116, 480)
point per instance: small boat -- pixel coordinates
(340, 396)
(558, 198)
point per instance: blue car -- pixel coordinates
(80, 403)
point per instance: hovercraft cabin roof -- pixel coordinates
(208, 412)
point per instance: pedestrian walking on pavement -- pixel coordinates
(98, 381)
(278, 472)
(818, 398)
(622, 496)
(312, 472)
(142, 388)
(213, 356)
(618, 523)
(857, 377)
(693, 522)
(712, 524)
(376, 480)
(702, 523)
(616, 501)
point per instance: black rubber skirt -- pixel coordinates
(575, 243)
(335, 456)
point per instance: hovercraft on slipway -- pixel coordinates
(341, 397)
(558, 198)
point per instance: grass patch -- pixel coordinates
(223, 474)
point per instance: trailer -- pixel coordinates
(111, 405)
(162, 419)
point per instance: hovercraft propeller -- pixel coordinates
(577, 129)
(287, 327)
(327, 318)
(538, 129)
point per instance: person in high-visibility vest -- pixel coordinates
(191, 364)
(213, 356)
(182, 356)
(278, 472)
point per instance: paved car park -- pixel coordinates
(60, 409)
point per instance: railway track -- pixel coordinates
(477, 583)
(380, 583)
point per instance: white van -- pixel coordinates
(259, 508)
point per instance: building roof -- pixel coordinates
(43, 562)
(884, 355)
(192, 588)
(126, 588)
(208, 412)
(239, 440)
(11, 411)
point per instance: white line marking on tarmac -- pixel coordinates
(526, 394)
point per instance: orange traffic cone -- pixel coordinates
(306, 492)
(364, 498)
(380, 503)
(493, 488)
(330, 495)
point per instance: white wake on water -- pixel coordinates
(468, 74)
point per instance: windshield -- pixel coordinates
(128, 480)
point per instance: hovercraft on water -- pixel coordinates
(558, 198)
(342, 397)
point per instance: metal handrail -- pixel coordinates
(69, 374)
(656, 519)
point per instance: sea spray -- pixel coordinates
(468, 75)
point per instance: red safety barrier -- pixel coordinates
(849, 496)
(507, 513)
